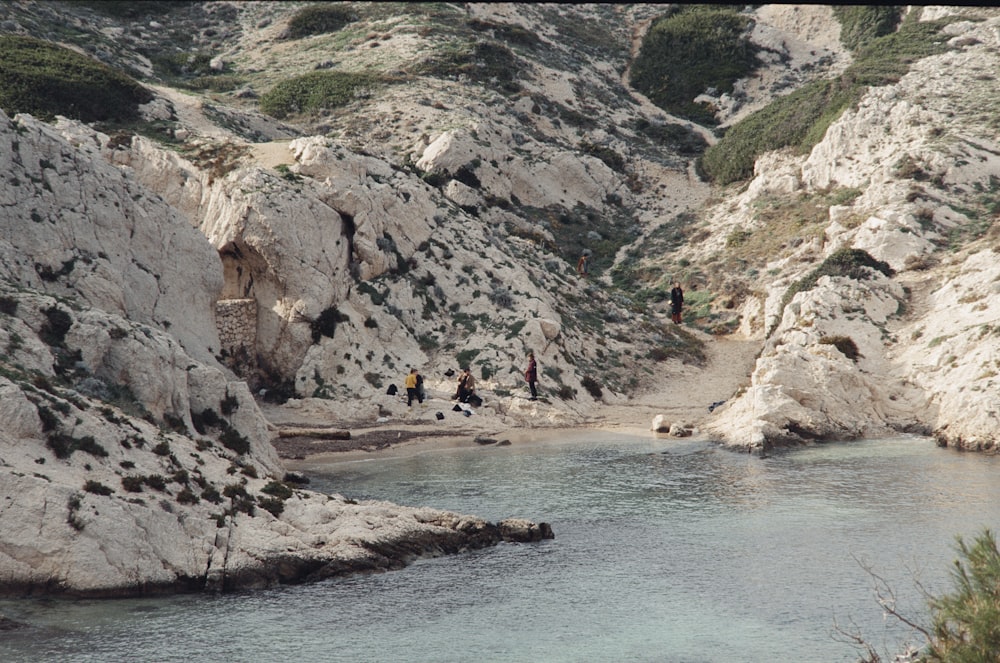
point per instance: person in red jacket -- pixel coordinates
(531, 375)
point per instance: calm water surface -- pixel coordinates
(665, 550)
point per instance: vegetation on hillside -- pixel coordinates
(45, 80)
(691, 49)
(485, 62)
(800, 119)
(134, 10)
(862, 24)
(854, 264)
(318, 19)
(314, 92)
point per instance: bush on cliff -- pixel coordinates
(45, 80)
(852, 263)
(318, 19)
(862, 24)
(314, 92)
(800, 119)
(691, 49)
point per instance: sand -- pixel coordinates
(685, 397)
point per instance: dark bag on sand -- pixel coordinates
(456, 409)
(439, 415)
(474, 401)
(391, 391)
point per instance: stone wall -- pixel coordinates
(237, 323)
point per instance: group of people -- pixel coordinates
(467, 384)
(466, 391)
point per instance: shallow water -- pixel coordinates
(665, 550)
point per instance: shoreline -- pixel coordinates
(417, 442)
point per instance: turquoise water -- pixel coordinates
(665, 550)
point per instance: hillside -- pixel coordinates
(272, 211)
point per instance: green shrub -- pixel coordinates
(232, 439)
(659, 354)
(326, 324)
(592, 387)
(465, 357)
(156, 482)
(965, 622)
(511, 34)
(132, 483)
(277, 489)
(481, 62)
(239, 498)
(57, 324)
(211, 494)
(862, 24)
(8, 305)
(367, 288)
(691, 49)
(97, 488)
(73, 505)
(845, 344)
(318, 19)
(46, 80)
(186, 496)
(63, 445)
(608, 155)
(134, 10)
(313, 92)
(183, 65)
(272, 505)
(683, 139)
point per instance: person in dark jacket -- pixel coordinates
(531, 375)
(676, 303)
(466, 386)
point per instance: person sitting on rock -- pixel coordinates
(466, 386)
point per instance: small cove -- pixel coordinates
(665, 550)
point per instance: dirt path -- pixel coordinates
(687, 394)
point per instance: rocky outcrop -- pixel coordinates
(924, 338)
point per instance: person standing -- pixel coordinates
(676, 303)
(582, 264)
(412, 390)
(531, 375)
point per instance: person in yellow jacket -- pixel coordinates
(412, 387)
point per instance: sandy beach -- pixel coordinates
(685, 397)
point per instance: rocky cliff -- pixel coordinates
(432, 217)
